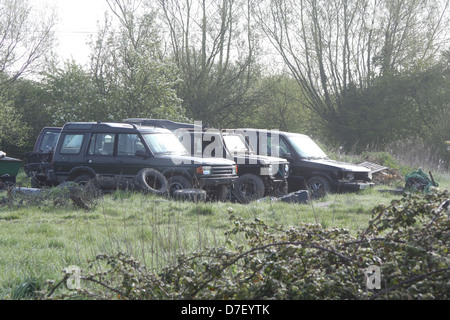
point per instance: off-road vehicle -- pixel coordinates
(259, 176)
(39, 161)
(311, 168)
(123, 155)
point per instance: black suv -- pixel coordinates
(123, 154)
(259, 176)
(311, 168)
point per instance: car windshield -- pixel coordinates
(164, 143)
(305, 147)
(236, 143)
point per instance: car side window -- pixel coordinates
(71, 144)
(128, 144)
(277, 147)
(284, 148)
(101, 144)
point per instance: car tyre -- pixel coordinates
(318, 187)
(249, 187)
(178, 183)
(151, 181)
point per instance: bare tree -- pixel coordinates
(215, 47)
(25, 38)
(333, 46)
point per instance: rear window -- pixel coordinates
(49, 140)
(71, 144)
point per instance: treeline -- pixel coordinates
(361, 74)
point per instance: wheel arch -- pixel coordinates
(78, 171)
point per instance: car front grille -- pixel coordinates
(221, 170)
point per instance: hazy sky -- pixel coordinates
(77, 21)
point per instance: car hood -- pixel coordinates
(187, 159)
(258, 159)
(341, 166)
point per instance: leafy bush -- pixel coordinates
(408, 240)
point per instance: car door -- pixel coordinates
(100, 153)
(131, 156)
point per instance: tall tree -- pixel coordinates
(128, 68)
(215, 47)
(333, 47)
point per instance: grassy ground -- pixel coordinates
(39, 239)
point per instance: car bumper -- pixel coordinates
(216, 181)
(351, 186)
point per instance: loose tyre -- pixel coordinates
(178, 183)
(195, 195)
(318, 187)
(249, 187)
(152, 182)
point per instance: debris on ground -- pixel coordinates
(300, 196)
(419, 181)
(381, 174)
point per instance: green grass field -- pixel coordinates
(38, 238)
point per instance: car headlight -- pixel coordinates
(204, 170)
(235, 169)
(286, 168)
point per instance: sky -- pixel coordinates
(77, 20)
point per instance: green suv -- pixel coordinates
(122, 154)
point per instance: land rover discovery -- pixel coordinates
(124, 154)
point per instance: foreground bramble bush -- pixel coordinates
(408, 241)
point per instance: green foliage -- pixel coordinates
(129, 72)
(282, 107)
(394, 107)
(73, 96)
(408, 240)
(385, 159)
(13, 130)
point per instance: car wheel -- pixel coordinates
(220, 193)
(318, 187)
(151, 181)
(82, 179)
(249, 187)
(178, 183)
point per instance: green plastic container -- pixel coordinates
(10, 166)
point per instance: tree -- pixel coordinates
(282, 107)
(333, 48)
(128, 69)
(13, 130)
(26, 38)
(73, 95)
(215, 47)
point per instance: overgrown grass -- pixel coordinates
(38, 240)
